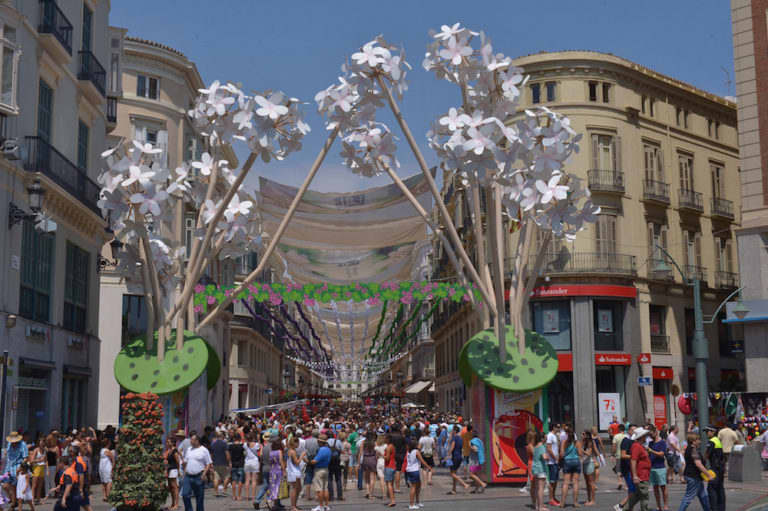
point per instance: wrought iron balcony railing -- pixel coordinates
(659, 344)
(690, 200)
(657, 191)
(91, 69)
(654, 273)
(44, 158)
(111, 109)
(606, 180)
(726, 279)
(722, 207)
(54, 22)
(585, 262)
(695, 272)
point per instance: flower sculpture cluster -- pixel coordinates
(140, 196)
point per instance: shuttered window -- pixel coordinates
(82, 145)
(606, 152)
(44, 111)
(76, 288)
(686, 171)
(654, 168)
(36, 272)
(605, 239)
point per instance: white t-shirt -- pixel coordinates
(673, 441)
(554, 443)
(197, 458)
(427, 445)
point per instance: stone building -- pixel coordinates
(661, 159)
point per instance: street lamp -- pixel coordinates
(700, 341)
(16, 214)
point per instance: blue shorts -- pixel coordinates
(353, 462)
(413, 477)
(554, 472)
(659, 476)
(630, 485)
(309, 474)
(237, 475)
(389, 474)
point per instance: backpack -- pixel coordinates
(335, 451)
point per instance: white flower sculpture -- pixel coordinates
(516, 159)
(138, 196)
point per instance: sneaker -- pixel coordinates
(553, 502)
(420, 505)
(317, 508)
(617, 507)
(413, 507)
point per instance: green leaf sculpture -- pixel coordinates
(533, 370)
(138, 370)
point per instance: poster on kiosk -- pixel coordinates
(512, 416)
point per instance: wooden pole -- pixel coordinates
(436, 194)
(150, 303)
(494, 228)
(482, 260)
(278, 234)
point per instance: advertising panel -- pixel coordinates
(509, 425)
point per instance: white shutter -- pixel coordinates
(162, 143)
(616, 153)
(595, 153)
(140, 133)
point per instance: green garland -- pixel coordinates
(378, 328)
(374, 293)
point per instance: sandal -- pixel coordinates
(452, 492)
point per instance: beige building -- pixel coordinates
(153, 86)
(750, 47)
(661, 159)
(52, 127)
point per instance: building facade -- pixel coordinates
(750, 51)
(151, 87)
(661, 160)
(53, 127)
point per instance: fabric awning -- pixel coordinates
(431, 388)
(77, 370)
(417, 387)
(37, 363)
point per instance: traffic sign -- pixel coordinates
(644, 381)
(644, 358)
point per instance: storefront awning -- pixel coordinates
(417, 387)
(39, 364)
(431, 388)
(78, 370)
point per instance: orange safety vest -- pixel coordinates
(71, 471)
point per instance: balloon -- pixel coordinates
(684, 404)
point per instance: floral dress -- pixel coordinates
(275, 475)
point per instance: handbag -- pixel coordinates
(282, 492)
(448, 462)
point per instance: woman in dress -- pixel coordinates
(37, 459)
(369, 465)
(381, 450)
(599, 456)
(538, 471)
(51, 457)
(293, 470)
(172, 461)
(276, 472)
(252, 465)
(106, 462)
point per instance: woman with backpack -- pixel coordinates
(412, 464)
(252, 465)
(571, 453)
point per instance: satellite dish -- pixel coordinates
(675, 390)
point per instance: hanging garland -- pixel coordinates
(373, 293)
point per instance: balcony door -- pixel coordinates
(723, 260)
(605, 239)
(654, 170)
(87, 28)
(692, 246)
(686, 172)
(605, 152)
(718, 186)
(44, 112)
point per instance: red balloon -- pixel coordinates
(684, 404)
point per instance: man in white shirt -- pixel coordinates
(553, 457)
(196, 462)
(427, 449)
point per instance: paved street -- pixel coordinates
(739, 497)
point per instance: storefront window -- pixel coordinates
(608, 325)
(610, 379)
(561, 399)
(553, 321)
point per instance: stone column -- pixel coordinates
(583, 346)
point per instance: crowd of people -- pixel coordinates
(314, 454)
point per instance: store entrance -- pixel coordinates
(560, 397)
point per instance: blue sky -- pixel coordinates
(298, 46)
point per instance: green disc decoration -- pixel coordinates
(138, 370)
(536, 368)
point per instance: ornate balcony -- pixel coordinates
(585, 262)
(44, 158)
(695, 272)
(111, 110)
(55, 30)
(92, 71)
(726, 279)
(722, 208)
(659, 344)
(656, 191)
(611, 181)
(688, 199)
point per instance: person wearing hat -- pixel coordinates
(16, 452)
(640, 471)
(716, 458)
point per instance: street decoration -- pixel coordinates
(140, 474)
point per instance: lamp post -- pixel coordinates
(700, 341)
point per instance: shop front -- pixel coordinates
(74, 397)
(30, 399)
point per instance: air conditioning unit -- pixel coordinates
(35, 332)
(74, 341)
(11, 149)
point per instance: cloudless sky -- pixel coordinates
(297, 46)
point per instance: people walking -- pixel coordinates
(172, 464)
(538, 471)
(236, 465)
(553, 460)
(252, 466)
(640, 472)
(589, 465)
(476, 462)
(276, 472)
(716, 460)
(414, 462)
(571, 453)
(455, 459)
(694, 468)
(293, 471)
(320, 480)
(657, 451)
(106, 463)
(197, 463)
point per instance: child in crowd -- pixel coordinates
(24, 487)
